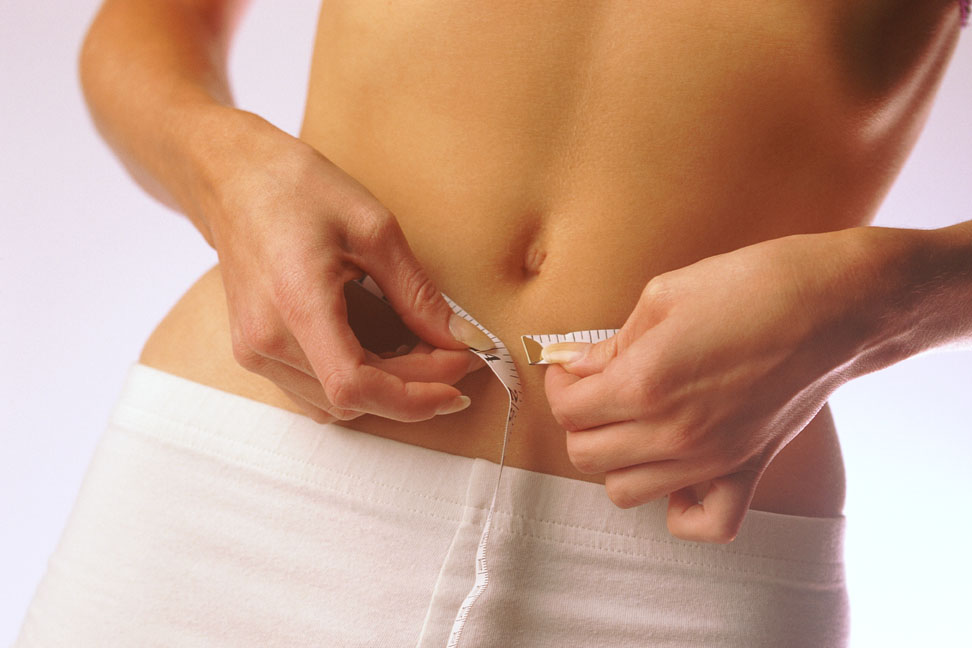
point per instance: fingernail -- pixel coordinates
(564, 352)
(457, 404)
(467, 333)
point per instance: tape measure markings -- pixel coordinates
(533, 344)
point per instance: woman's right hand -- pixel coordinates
(290, 229)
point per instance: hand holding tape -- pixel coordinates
(720, 365)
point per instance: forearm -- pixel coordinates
(154, 77)
(916, 292)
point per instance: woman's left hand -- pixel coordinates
(719, 366)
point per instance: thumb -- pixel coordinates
(581, 358)
(417, 300)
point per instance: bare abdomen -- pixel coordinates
(546, 162)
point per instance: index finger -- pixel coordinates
(582, 403)
(339, 363)
(367, 389)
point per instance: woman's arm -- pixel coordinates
(155, 79)
(723, 362)
(290, 227)
(923, 281)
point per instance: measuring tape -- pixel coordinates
(501, 363)
(533, 344)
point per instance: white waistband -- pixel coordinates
(179, 411)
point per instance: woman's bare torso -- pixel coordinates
(545, 160)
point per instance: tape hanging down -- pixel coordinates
(500, 362)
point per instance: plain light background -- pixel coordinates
(89, 265)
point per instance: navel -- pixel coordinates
(533, 258)
(528, 243)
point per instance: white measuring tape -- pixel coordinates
(501, 363)
(533, 344)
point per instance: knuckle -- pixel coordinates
(420, 290)
(564, 419)
(587, 464)
(341, 390)
(263, 339)
(609, 349)
(657, 287)
(621, 493)
(370, 225)
(721, 531)
(320, 416)
(244, 354)
(250, 343)
(581, 455)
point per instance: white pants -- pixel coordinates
(208, 519)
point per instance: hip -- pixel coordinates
(237, 523)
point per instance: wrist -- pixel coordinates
(217, 145)
(942, 286)
(899, 283)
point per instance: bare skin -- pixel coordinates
(545, 166)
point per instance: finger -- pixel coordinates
(308, 321)
(259, 355)
(386, 256)
(432, 365)
(262, 340)
(582, 403)
(350, 383)
(718, 515)
(307, 392)
(318, 321)
(310, 391)
(475, 360)
(581, 358)
(365, 388)
(636, 485)
(312, 411)
(618, 445)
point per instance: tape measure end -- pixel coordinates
(533, 350)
